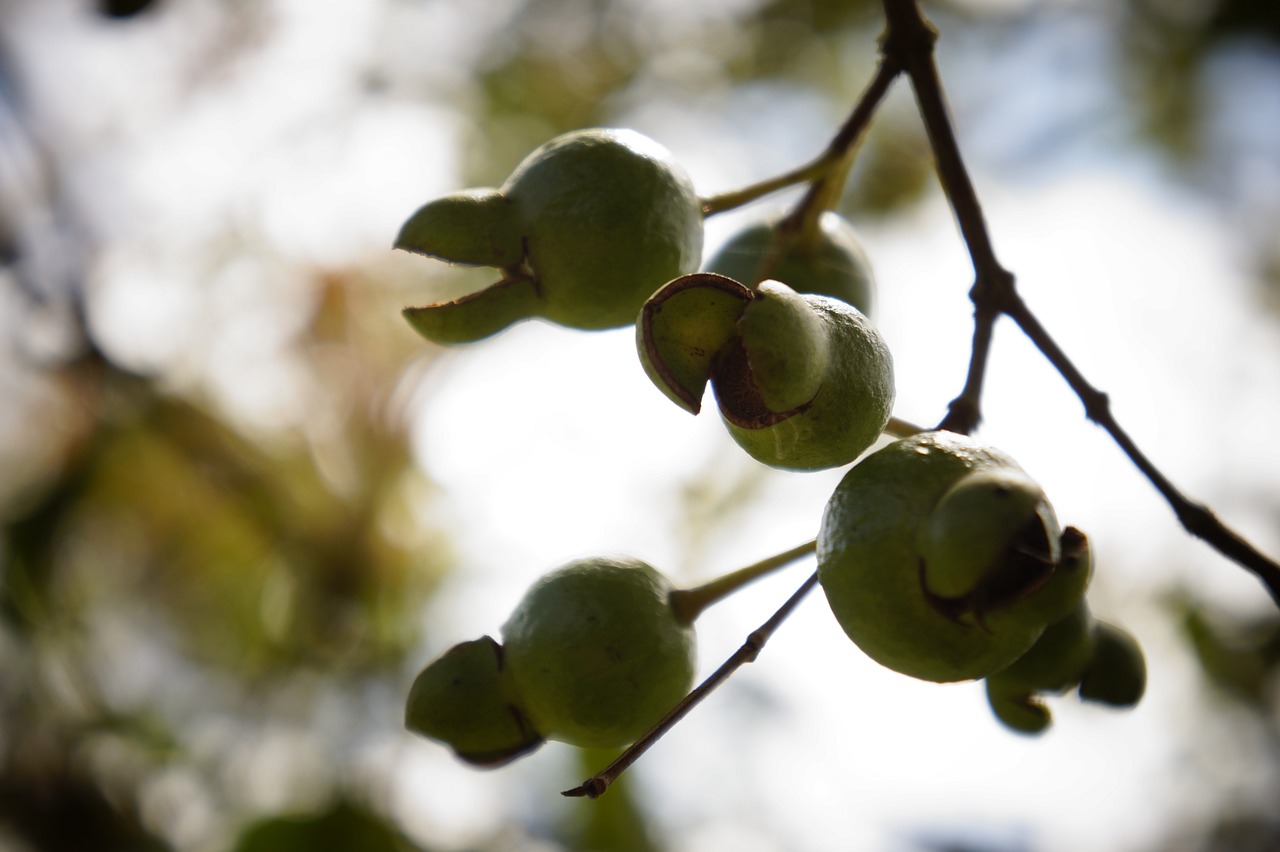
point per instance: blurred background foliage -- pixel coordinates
(207, 616)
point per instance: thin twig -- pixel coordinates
(688, 604)
(1195, 518)
(596, 785)
(994, 293)
(813, 171)
(913, 37)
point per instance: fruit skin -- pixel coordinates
(465, 700)
(848, 365)
(608, 218)
(596, 220)
(829, 262)
(597, 652)
(871, 569)
(1117, 674)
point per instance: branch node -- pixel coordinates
(1097, 405)
(592, 788)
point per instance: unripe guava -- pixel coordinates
(844, 361)
(803, 382)
(876, 577)
(597, 652)
(828, 262)
(583, 231)
(1118, 673)
(608, 217)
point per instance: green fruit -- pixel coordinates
(991, 542)
(883, 525)
(786, 347)
(608, 218)
(1118, 672)
(597, 652)
(584, 230)
(828, 262)
(791, 346)
(803, 382)
(465, 700)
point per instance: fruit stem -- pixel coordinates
(688, 604)
(595, 786)
(713, 204)
(899, 428)
(833, 163)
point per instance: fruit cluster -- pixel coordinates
(939, 556)
(942, 559)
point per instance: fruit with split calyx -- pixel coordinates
(942, 559)
(583, 231)
(803, 382)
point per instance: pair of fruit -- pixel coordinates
(942, 559)
(777, 324)
(939, 556)
(591, 224)
(593, 655)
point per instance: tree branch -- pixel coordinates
(911, 37)
(595, 786)
(1195, 518)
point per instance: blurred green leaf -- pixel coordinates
(344, 827)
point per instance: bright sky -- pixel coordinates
(552, 444)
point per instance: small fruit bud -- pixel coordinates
(1118, 673)
(1054, 664)
(786, 346)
